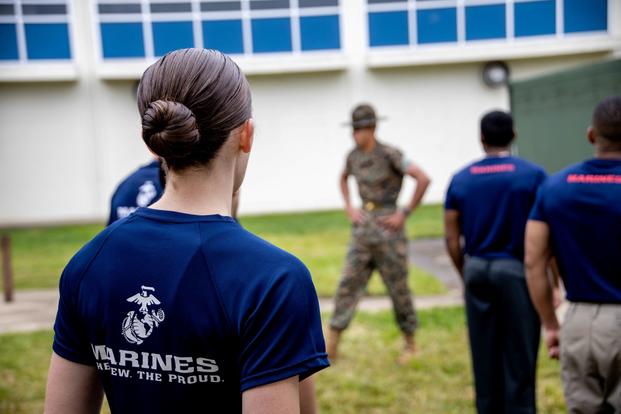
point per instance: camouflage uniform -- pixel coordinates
(379, 175)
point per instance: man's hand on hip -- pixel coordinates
(355, 216)
(394, 221)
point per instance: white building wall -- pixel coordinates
(65, 145)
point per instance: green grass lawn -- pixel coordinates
(319, 239)
(365, 380)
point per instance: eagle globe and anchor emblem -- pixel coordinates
(137, 326)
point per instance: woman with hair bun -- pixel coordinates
(176, 308)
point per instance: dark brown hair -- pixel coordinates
(607, 119)
(190, 100)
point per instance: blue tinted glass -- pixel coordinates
(223, 35)
(47, 41)
(320, 32)
(437, 25)
(122, 40)
(388, 28)
(585, 15)
(271, 35)
(535, 18)
(8, 45)
(485, 22)
(169, 36)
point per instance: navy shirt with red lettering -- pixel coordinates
(582, 207)
(182, 313)
(494, 197)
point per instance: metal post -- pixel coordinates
(7, 270)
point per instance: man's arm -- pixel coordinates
(355, 215)
(537, 247)
(72, 388)
(452, 237)
(555, 276)
(396, 221)
(422, 183)
(282, 397)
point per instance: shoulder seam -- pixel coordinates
(213, 281)
(103, 242)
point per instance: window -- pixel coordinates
(169, 36)
(271, 35)
(437, 25)
(320, 32)
(485, 22)
(151, 28)
(585, 15)
(422, 22)
(535, 18)
(224, 35)
(388, 28)
(34, 30)
(122, 40)
(8, 46)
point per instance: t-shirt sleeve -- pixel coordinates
(450, 202)
(348, 165)
(112, 217)
(282, 337)
(70, 338)
(538, 212)
(398, 161)
(541, 177)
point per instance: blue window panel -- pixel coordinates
(8, 45)
(122, 40)
(271, 35)
(486, 22)
(223, 35)
(168, 36)
(47, 41)
(535, 18)
(585, 15)
(437, 25)
(320, 32)
(388, 28)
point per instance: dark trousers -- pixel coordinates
(504, 332)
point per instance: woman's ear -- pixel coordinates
(246, 137)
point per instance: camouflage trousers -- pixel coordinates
(389, 257)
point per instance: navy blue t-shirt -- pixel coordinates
(182, 313)
(582, 207)
(141, 188)
(493, 197)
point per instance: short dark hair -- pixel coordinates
(190, 100)
(607, 119)
(497, 128)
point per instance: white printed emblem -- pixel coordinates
(146, 193)
(137, 327)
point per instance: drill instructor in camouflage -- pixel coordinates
(378, 237)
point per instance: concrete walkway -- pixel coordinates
(430, 255)
(36, 309)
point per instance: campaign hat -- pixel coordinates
(363, 116)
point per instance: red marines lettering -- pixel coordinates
(492, 169)
(594, 179)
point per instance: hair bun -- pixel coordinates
(169, 129)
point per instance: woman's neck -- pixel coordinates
(200, 191)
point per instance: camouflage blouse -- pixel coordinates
(379, 174)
